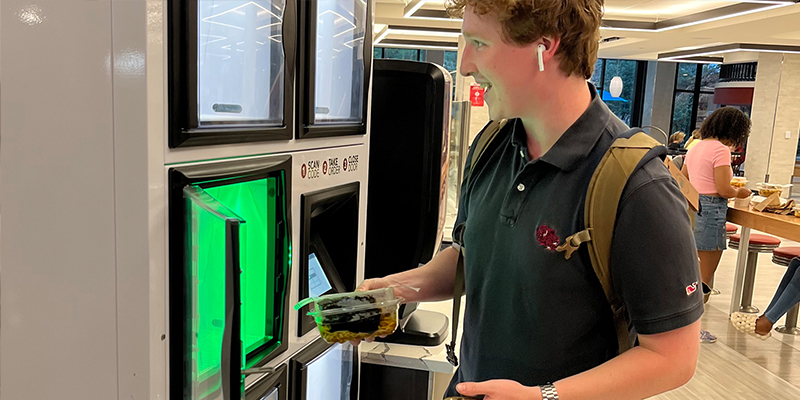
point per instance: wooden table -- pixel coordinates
(783, 226)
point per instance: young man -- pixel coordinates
(536, 325)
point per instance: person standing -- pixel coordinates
(538, 325)
(708, 167)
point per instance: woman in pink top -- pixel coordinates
(708, 167)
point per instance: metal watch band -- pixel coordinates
(549, 392)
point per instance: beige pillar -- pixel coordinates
(776, 119)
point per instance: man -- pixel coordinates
(537, 325)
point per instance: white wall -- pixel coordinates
(59, 336)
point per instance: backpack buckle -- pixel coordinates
(451, 355)
(458, 233)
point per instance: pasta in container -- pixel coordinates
(343, 317)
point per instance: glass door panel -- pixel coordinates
(228, 279)
(330, 375)
(339, 61)
(213, 262)
(240, 62)
(256, 202)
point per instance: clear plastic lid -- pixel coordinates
(343, 303)
(355, 308)
(772, 186)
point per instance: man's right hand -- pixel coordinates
(372, 284)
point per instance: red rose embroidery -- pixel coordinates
(547, 237)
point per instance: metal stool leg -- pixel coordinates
(791, 322)
(714, 290)
(749, 284)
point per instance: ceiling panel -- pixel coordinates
(658, 10)
(773, 26)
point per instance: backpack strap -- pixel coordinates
(628, 153)
(484, 140)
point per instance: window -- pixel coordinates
(339, 79)
(628, 105)
(401, 54)
(693, 100)
(451, 60)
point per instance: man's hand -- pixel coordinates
(372, 284)
(499, 389)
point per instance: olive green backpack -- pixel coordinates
(629, 151)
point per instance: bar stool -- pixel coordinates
(783, 256)
(758, 244)
(730, 229)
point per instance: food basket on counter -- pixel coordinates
(342, 317)
(738, 182)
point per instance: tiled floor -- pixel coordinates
(739, 366)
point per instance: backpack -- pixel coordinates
(628, 152)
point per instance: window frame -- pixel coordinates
(695, 92)
(640, 79)
(184, 127)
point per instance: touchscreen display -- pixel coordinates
(318, 283)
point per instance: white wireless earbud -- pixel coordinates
(540, 50)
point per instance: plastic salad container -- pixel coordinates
(342, 317)
(768, 189)
(738, 182)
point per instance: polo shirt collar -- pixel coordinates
(578, 141)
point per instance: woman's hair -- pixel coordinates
(575, 22)
(728, 124)
(696, 133)
(677, 137)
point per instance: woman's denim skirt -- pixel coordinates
(709, 229)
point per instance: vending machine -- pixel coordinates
(207, 166)
(268, 121)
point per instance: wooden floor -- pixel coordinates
(739, 366)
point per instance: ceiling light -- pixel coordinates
(381, 35)
(421, 46)
(423, 33)
(682, 56)
(666, 24)
(412, 7)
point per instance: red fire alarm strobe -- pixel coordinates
(476, 95)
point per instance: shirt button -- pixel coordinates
(521, 187)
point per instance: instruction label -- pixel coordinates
(334, 166)
(350, 163)
(311, 170)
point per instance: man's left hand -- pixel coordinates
(499, 389)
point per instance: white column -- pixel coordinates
(775, 115)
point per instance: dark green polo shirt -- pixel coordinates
(531, 315)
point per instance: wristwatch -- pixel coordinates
(549, 392)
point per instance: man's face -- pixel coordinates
(506, 71)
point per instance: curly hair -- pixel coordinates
(728, 124)
(575, 22)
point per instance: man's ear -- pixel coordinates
(550, 47)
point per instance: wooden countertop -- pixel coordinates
(784, 226)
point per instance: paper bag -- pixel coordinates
(686, 188)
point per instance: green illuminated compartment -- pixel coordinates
(255, 202)
(236, 259)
